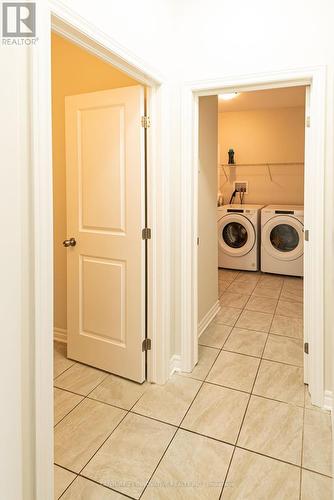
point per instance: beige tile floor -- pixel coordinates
(240, 426)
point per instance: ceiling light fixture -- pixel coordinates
(227, 97)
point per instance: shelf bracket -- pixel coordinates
(269, 172)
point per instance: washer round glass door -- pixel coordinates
(236, 235)
(282, 237)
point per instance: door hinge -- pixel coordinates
(306, 347)
(198, 241)
(146, 345)
(145, 121)
(306, 235)
(146, 233)
(308, 121)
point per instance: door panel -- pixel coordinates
(105, 214)
(103, 195)
(102, 317)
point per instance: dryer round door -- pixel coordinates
(236, 235)
(282, 237)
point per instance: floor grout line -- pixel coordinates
(302, 450)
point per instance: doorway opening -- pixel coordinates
(251, 239)
(99, 172)
(314, 166)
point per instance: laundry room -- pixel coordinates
(251, 225)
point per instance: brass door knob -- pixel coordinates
(69, 243)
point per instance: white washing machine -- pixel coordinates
(282, 239)
(239, 236)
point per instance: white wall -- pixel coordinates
(16, 287)
(207, 206)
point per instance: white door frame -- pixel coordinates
(314, 210)
(55, 16)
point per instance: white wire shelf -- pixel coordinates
(267, 165)
(260, 164)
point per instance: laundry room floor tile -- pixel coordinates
(271, 281)
(284, 349)
(295, 295)
(242, 287)
(265, 291)
(233, 299)
(293, 283)
(246, 342)
(228, 315)
(274, 429)
(253, 320)
(289, 308)
(227, 274)
(217, 412)
(215, 335)
(206, 357)
(223, 286)
(261, 304)
(288, 327)
(248, 277)
(236, 371)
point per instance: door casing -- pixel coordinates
(53, 15)
(315, 80)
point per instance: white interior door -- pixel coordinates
(105, 167)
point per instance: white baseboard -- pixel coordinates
(60, 335)
(328, 401)
(210, 315)
(174, 364)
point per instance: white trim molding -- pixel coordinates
(209, 316)
(174, 364)
(328, 401)
(315, 78)
(60, 335)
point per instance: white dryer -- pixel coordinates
(282, 239)
(239, 236)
